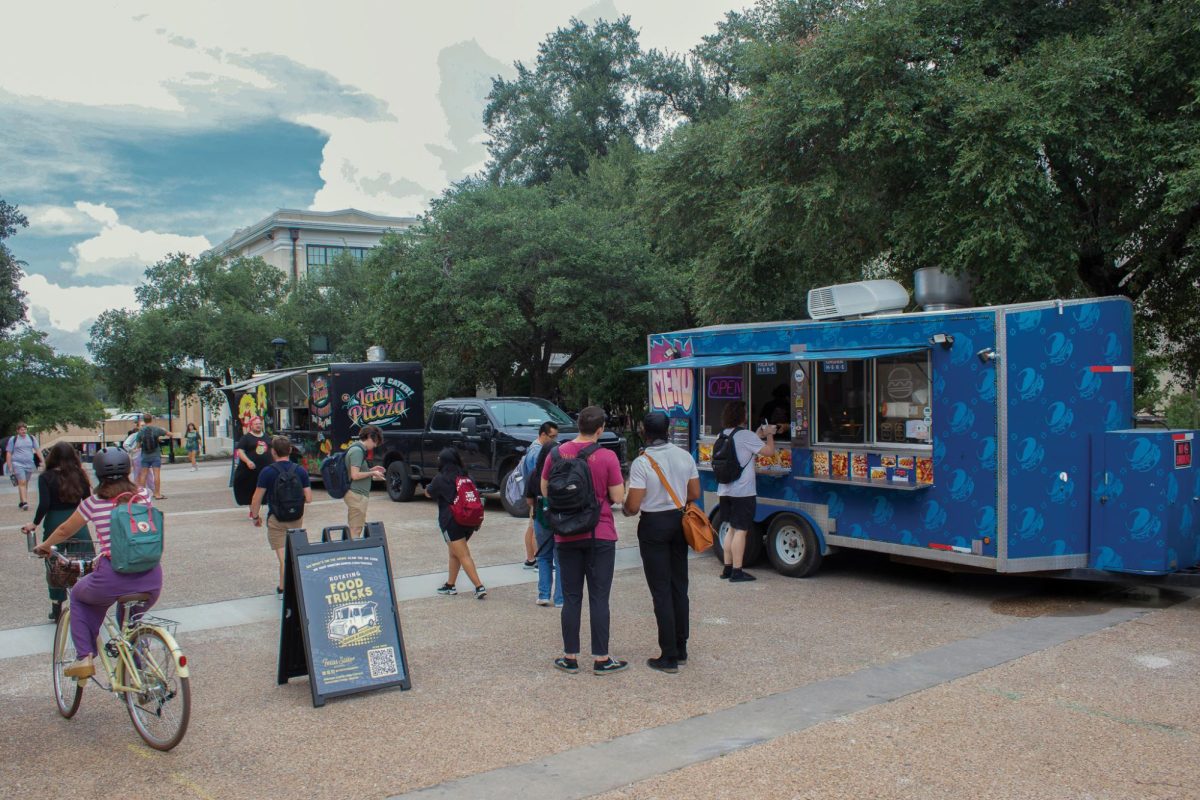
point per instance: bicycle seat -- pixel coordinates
(136, 597)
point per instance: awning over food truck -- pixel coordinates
(726, 360)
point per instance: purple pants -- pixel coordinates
(94, 594)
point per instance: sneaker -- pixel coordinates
(570, 665)
(81, 669)
(739, 576)
(55, 611)
(558, 604)
(530, 565)
(605, 667)
(668, 665)
(480, 592)
(23, 506)
(543, 601)
(725, 573)
(447, 589)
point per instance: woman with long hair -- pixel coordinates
(191, 443)
(444, 489)
(95, 592)
(61, 488)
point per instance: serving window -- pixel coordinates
(771, 394)
(902, 389)
(721, 386)
(879, 401)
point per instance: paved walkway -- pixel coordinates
(37, 639)
(594, 769)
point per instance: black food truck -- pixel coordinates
(321, 408)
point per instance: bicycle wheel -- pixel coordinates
(67, 691)
(160, 711)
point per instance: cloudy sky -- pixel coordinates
(136, 129)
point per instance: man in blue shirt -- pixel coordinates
(281, 451)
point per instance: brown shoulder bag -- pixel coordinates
(697, 530)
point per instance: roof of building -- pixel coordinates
(346, 220)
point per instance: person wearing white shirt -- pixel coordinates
(739, 499)
(660, 534)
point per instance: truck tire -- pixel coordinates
(520, 510)
(400, 485)
(754, 540)
(793, 547)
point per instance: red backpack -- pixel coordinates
(467, 508)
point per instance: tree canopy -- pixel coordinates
(12, 299)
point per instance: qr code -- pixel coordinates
(382, 661)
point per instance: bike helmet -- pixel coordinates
(111, 462)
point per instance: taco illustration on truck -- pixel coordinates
(347, 620)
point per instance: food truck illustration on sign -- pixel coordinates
(997, 438)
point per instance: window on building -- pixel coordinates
(319, 257)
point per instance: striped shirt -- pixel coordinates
(98, 511)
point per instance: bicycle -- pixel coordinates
(139, 658)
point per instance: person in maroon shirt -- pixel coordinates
(583, 557)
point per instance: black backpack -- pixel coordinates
(571, 505)
(287, 496)
(725, 465)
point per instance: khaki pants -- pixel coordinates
(356, 511)
(277, 531)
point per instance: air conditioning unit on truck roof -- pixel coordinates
(856, 299)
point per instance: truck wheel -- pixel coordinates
(792, 547)
(400, 486)
(519, 510)
(754, 540)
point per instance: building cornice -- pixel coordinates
(286, 218)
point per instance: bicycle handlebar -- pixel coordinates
(82, 563)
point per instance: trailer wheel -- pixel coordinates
(754, 540)
(400, 486)
(792, 546)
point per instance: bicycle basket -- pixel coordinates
(63, 575)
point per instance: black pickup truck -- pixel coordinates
(491, 435)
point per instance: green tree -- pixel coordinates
(498, 281)
(42, 387)
(1047, 149)
(12, 299)
(195, 311)
(591, 89)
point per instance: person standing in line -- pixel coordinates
(444, 489)
(21, 458)
(739, 499)
(151, 455)
(546, 554)
(358, 459)
(61, 488)
(589, 556)
(192, 444)
(660, 476)
(253, 453)
(281, 452)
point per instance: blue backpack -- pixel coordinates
(135, 535)
(335, 473)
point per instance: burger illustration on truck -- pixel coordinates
(349, 619)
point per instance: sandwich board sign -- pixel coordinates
(340, 624)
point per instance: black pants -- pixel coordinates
(579, 561)
(664, 558)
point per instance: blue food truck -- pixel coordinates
(995, 438)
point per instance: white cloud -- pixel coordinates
(71, 309)
(122, 252)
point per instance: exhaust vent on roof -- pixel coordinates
(856, 299)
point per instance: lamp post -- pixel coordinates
(279, 343)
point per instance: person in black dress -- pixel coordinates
(252, 454)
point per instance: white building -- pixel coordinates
(300, 243)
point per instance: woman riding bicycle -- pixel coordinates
(95, 593)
